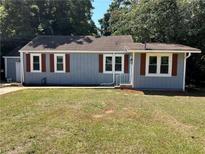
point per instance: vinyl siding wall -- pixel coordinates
(11, 68)
(159, 83)
(84, 70)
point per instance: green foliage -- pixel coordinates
(168, 21)
(24, 19)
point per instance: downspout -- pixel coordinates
(113, 73)
(184, 78)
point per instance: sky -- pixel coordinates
(100, 8)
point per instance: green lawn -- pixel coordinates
(100, 121)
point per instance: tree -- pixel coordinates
(24, 19)
(116, 21)
(168, 21)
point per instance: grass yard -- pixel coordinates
(100, 121)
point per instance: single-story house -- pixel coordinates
(107, 60)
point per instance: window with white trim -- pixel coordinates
(158, 64)
(59, 63)
(35, 62)
(113, 63)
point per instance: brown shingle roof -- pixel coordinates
(159, 46)
(81, 43)
(104, 43)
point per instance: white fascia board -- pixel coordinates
(69, 51)
(164, 51)
(127, 51)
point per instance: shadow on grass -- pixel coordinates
(189, 92)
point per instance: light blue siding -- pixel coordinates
(84, 70)
(159, 83)
(11, 68)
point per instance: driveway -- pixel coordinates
(6, 90)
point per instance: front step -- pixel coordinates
(124, 86)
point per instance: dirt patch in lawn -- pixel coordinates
(172, 122)
(104, 114)
(20, 149)
(97, 116)
(109, 111)
(132, 91)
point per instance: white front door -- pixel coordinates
(18, 71)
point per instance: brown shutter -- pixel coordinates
(51, 62)
(67, 61)
(100, 63)
(142, 63)
(174, 64)
(126, 63)
(43, 62)
(28, 63)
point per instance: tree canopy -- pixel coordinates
(24, 19)
(167, 21)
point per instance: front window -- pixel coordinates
(35, 62)
(59, 63)
(158, 64)
(113, 62)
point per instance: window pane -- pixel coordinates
(59, 59)
(118, 67)
(164, 60)
(60, 67)
(108, 67)
(36, 59)
(152, 68)
(118, 63)
(153, 60)
(36, 66)
(153, 64)
(164, 69)
(118, 60)
(108, 60)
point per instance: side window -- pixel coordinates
(35, 62)
(59, 63)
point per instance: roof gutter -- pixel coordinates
(168, 51)
(122, 51)
(69, 51)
